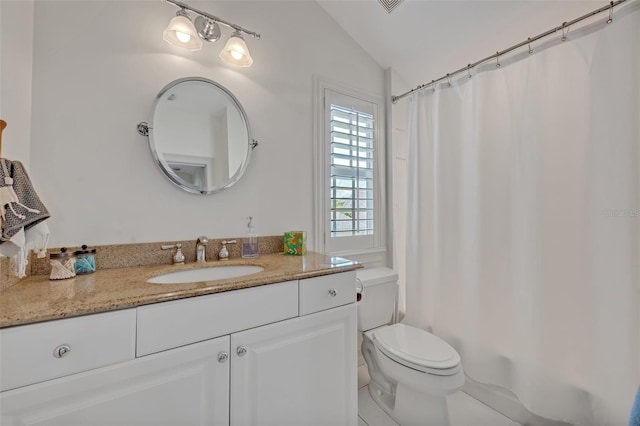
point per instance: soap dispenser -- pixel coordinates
(250, 243)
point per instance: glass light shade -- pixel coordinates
(236, 51)
(181, 33)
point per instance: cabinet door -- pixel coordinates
(299, 372)
(184, 386)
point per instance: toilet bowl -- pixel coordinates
(412, 371)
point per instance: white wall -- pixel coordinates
(16, 59)
(98, 66)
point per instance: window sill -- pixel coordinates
(368, 257)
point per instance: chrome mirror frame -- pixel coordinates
(147, 129)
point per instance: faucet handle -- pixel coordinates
(223, 254)
(202, 240)
(178, 257)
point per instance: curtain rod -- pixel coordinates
(528, 41)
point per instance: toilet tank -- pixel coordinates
(378, 297)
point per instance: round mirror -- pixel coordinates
(199, 135)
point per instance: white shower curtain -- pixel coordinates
(523, 240)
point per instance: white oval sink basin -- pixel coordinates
(205, 274)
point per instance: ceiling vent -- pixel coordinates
(389, 5)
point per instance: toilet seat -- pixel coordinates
(417, 349)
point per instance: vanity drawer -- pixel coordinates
(34, 353)
(171, 324)
(327, 291)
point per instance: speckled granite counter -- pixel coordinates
(38, 299)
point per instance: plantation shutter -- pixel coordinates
(351, 172)
(352, 162)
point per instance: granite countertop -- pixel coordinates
(37, 298)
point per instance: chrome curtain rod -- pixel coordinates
(528, 41)
(214, 18)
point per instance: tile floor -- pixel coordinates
(463, 409)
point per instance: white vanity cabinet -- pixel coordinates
(296, 372)
(278, 354)
(184, 386)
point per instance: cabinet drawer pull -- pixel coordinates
(333, 292)
(62, 351)
(222, 357)
(241, 351)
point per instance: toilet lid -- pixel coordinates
(416, 348)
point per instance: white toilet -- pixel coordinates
(412, 371)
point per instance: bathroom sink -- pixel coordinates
(205, 274)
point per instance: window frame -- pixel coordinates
(367, 249)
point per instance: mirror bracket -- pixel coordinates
(143, 128)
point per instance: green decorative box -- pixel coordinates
(295, 243)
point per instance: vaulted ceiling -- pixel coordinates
(423, 39)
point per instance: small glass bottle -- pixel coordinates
(250, 243)
(85, 260)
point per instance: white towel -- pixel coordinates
(37, 239)
(18, 247)
(14, 246)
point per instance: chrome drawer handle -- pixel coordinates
(333, 292)
(241, 351)
(62, 351)
(222, 357)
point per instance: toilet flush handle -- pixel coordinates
(359, 289)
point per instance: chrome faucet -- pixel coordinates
(224, 253)
(201, 249)
(178, 257)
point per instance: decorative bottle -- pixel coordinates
(250, 243)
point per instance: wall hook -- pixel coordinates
(564, 34)
(3, 124)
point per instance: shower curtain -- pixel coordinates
(523, 219)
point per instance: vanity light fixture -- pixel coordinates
(182, 32)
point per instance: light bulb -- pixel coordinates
(236, 52)
(183, 37)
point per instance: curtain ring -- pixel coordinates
(610, 20)
(497, 59)
(530, 49)
(564, 34)
(469, 70)
(448, 80)
(433, 86)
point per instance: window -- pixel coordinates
(351, 182)
(349, 175)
